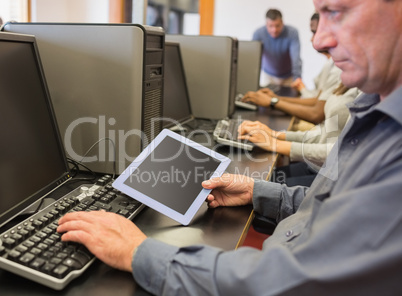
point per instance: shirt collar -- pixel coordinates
(392, 105)
(368, 103)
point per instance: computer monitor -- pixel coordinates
(249, 65)
(32, 158)
(106, 84)
(176, 101)
(210, 63)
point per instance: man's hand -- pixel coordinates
(110, 237)
(298, 84)
(267, 91)
(257, 97)
(229, 190)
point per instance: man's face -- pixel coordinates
(364, 40)
(274, 27)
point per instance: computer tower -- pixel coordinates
(210, 63)
(249, 65)
(106, 85)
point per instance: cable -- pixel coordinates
(76, 165)
(114, 154)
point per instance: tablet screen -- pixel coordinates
(167, 175)
(171, 176)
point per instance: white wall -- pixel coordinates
(240, 18)
(80, 11)
(15, 10)
(191, 24)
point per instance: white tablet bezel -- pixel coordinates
(186, 218)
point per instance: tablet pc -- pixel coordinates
(168, 173)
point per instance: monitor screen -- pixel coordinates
(31, 155)
(248, 66)
(176, 102)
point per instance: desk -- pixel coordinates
(221, 227)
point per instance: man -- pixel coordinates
(342, 236)
(281, 62)
(311, 108)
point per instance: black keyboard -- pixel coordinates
(33, 248)
(226, 133)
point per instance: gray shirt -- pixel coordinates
(281, 55)
(341, 236)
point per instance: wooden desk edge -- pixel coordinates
(251, 217)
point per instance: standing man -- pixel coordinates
(281, 63)
(342, 236)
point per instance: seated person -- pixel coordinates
(311, 108)
(322, 77)
(310, 147)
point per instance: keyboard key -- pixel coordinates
(87, 202)
(21, 248)
(47, 254)
(14, 255)
(24, 233)
(36, 251)
(9, 243)
(124, 213)
(42, 246)
(48, 267)
(69, 250)
(60, 271)
(48, 241)
(2, 250)
(49, 216)
(26, 258)
(16, 237)
(48, 230)
(44, 220)
(55, 260)
(73, 264)
(62, 255)
(35, 239)
(54, 213)
(30, 229)
(37, 224)
(28, 244)
(41, 234)
(81, 257)
(37, 263)
(61, 209)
